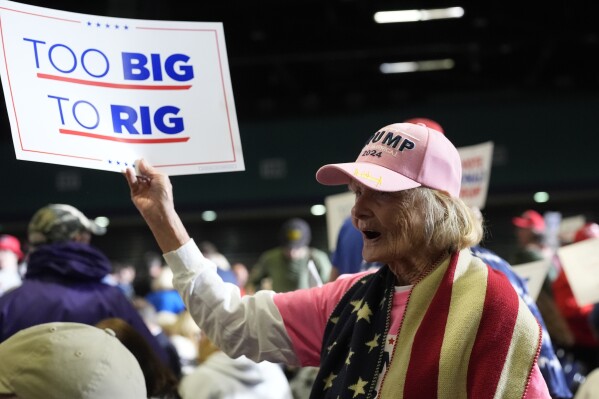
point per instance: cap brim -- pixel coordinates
(295, 245)
(373, 176)
(95, 228)
(521, 222)
(5, 389)
(98, 230)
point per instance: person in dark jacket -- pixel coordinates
(64, 276)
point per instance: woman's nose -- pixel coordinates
(360, 208)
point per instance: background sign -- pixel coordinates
(100, 92)
(569, 226)
(338, 208)
(534, 274)
(476, 172)
(581, 265)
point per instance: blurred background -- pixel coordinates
(313, 79)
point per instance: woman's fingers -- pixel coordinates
(130, 176)
(140, 176)
(145, 169)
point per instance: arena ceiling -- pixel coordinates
(315, 57)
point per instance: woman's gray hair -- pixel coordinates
(448, 222)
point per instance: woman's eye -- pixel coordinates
(385, 196)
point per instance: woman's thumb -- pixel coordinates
(143, 168)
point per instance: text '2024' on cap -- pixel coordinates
(399, 157)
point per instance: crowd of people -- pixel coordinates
(409, 304)
(64, 286)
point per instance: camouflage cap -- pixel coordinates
(60, 222)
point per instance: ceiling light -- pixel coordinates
(318, 210)
(209, 216)
(541, 197)
(385, 17)
(417, 66)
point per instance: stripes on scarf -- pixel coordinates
(476, 338)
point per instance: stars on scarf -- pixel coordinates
(348, 358)
(330, 347)
(334, 320)
(374, 343)
(357, 305)
(383, 302)
(358, 387)
(362, 309)
(328, 382)
(391, 340)
(364, 313)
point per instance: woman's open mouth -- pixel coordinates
(371, 234)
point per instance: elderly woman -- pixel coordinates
(433, 322)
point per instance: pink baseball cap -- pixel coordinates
(399, 157)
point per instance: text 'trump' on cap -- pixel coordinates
(399, 157)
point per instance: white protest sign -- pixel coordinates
(338, 208)
(580, 262)
(101, 92)
(476, 172)
(569, 226)
(534, 274)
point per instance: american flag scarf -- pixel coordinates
(464, 334)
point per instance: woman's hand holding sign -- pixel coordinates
(152, 194)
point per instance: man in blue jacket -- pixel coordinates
(64, 276)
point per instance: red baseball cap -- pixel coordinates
(530, 220)
(11, 243)
(426, 122)
(589, 230)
